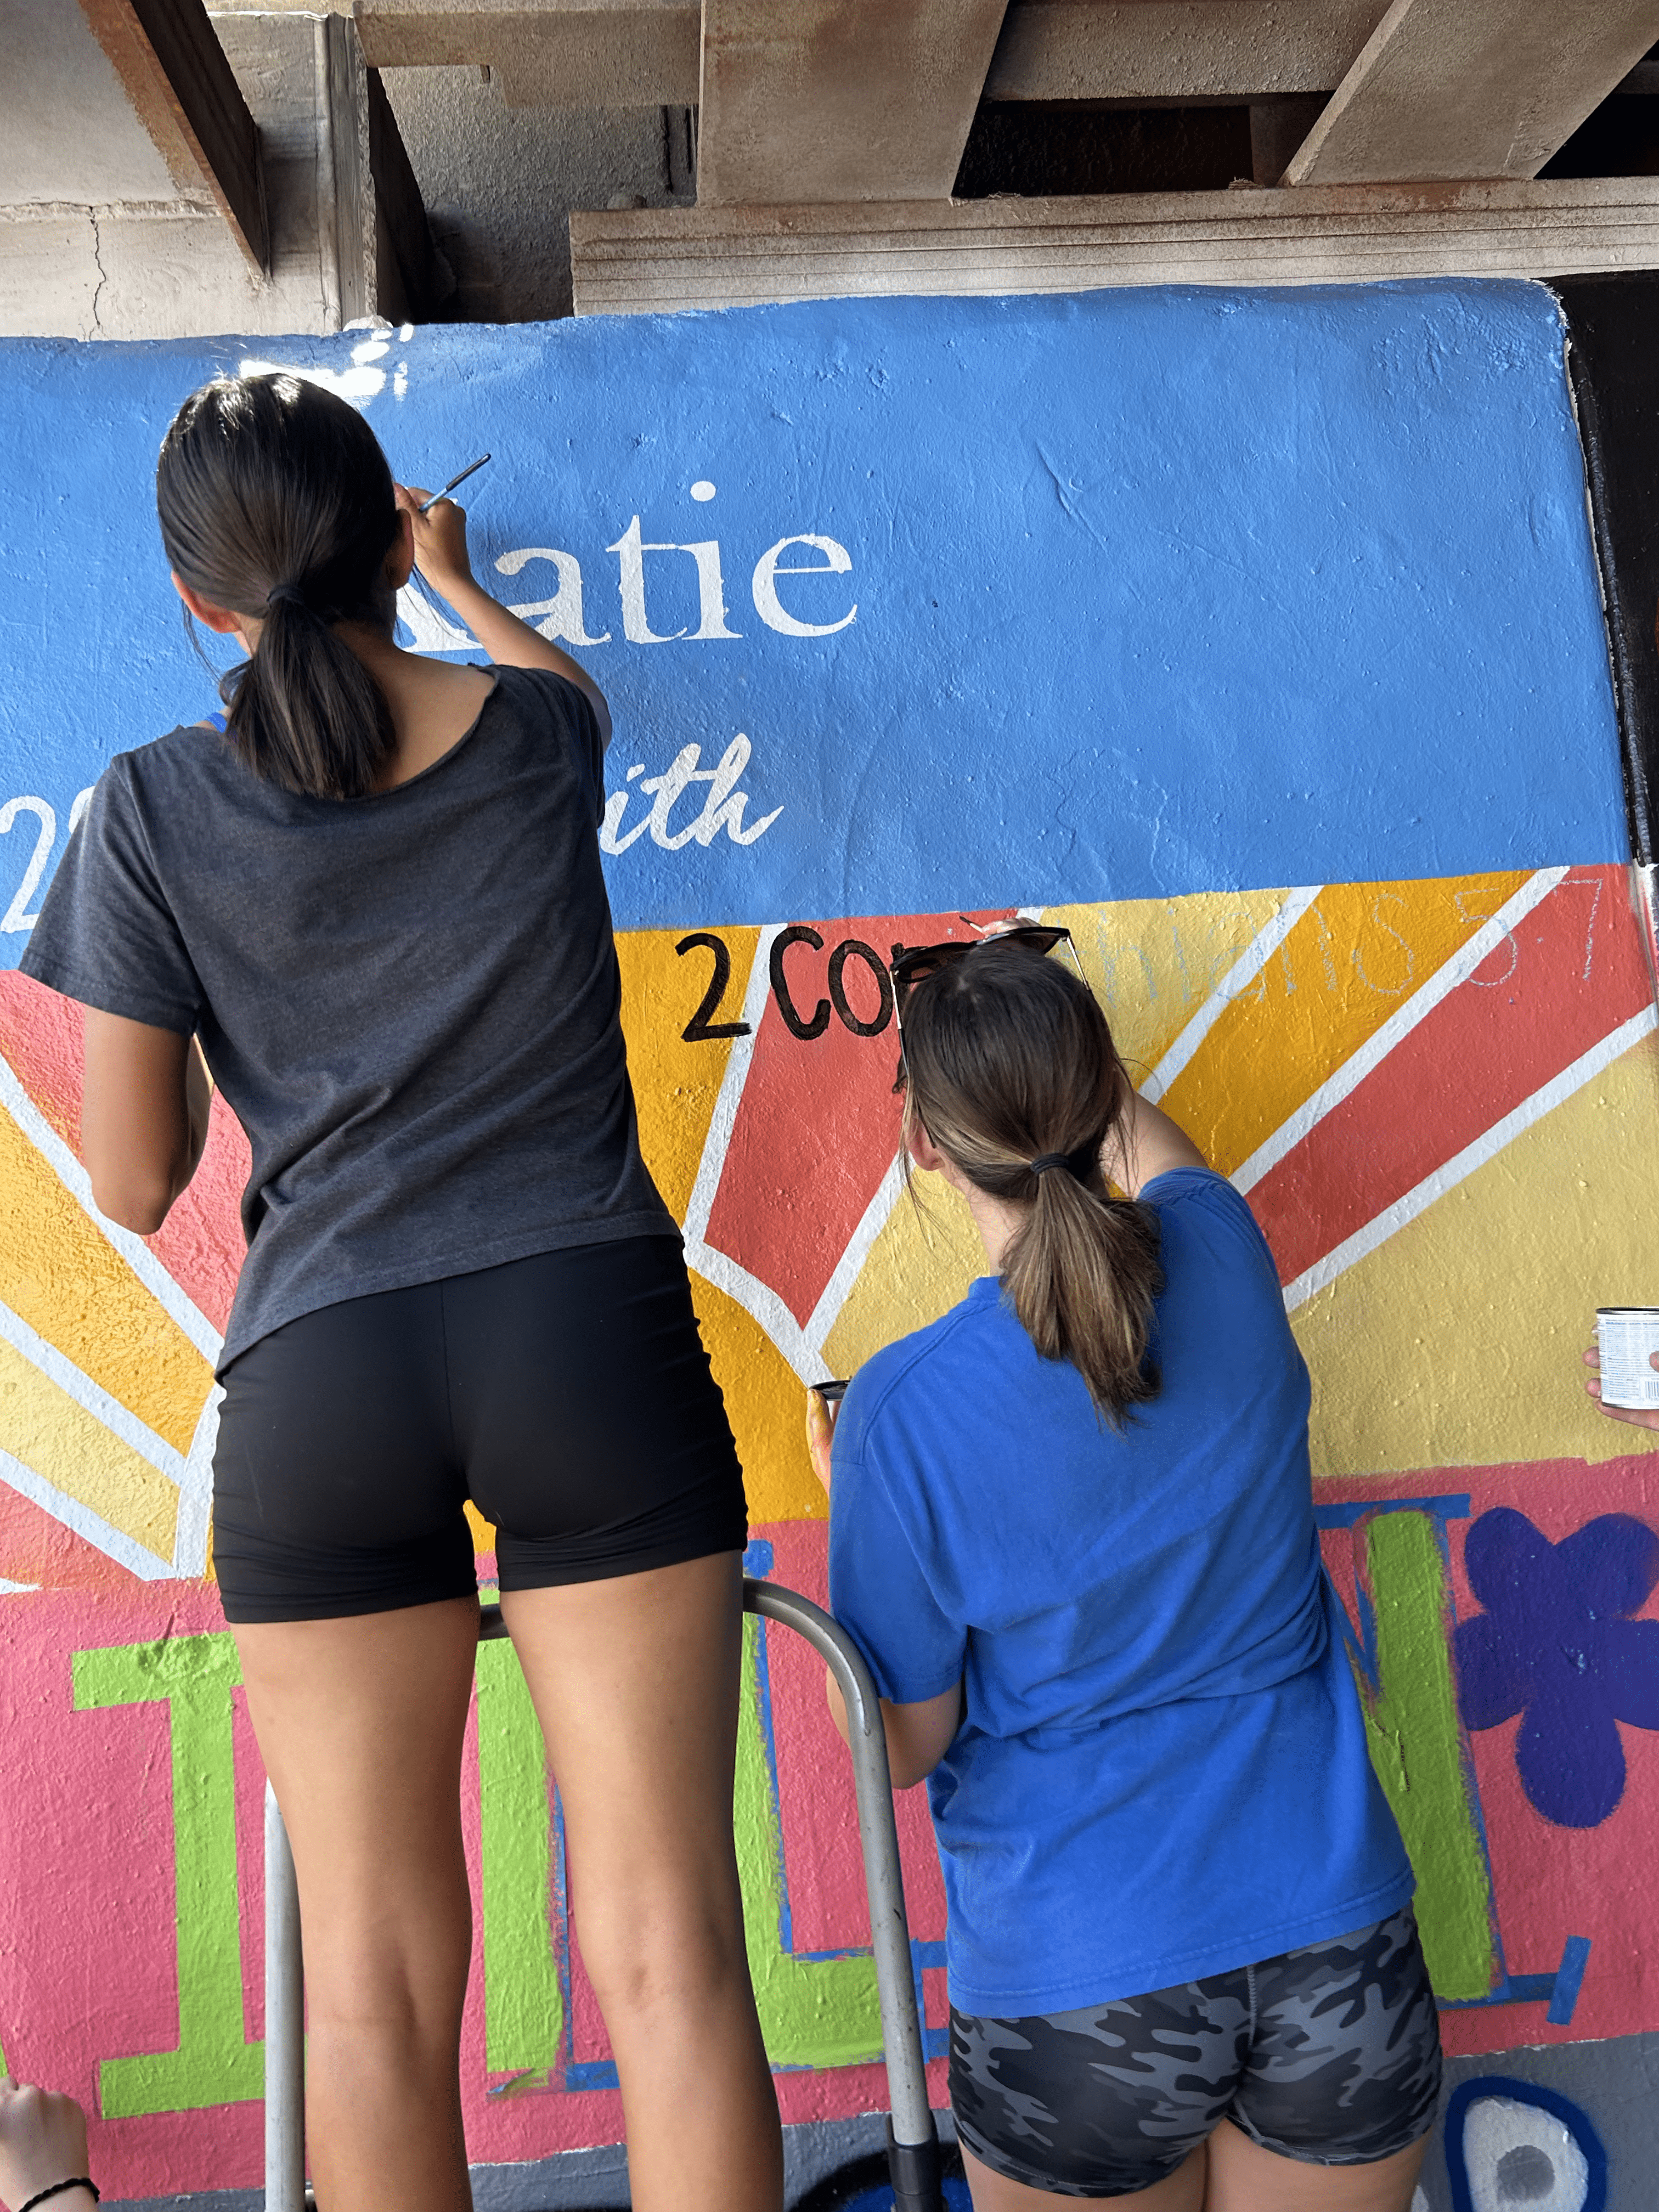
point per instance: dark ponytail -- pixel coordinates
(276, 501)
(1008, 1060)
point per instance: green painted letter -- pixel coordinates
(1419, 1750)
(214, 2064)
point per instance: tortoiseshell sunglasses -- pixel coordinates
(918, 961)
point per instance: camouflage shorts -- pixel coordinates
(1329, 2055)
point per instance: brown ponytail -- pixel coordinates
(276, 501)
(1008, 1060)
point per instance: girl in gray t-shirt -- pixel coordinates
(367, 903)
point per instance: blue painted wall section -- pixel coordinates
(1126, 595)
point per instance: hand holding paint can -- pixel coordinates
(1626, 1339)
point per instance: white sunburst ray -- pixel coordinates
(76, 1384)
(82, 1520)
(1184, 1046)
(1183, 1049)
(1503, 1132)
(723, 1121)
(1436, 986)
(191, 1473)
(759, 1300)
(168, 1293)
(78, 1514)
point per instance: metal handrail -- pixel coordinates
(913, 2148)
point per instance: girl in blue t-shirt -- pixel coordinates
(1073, 1530)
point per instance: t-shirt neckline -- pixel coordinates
(444, 758)
(409, 781)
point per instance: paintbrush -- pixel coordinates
(451, 485)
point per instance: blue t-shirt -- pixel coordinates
(1162, 1773)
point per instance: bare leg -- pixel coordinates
(636, 1683)
(1183, 2191)
(359, 1723)
(1244, 2177)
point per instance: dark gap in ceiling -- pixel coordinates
(1035, 148)
(1620, 138)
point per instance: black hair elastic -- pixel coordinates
(1081, 1163)
(287, 595)
(76, 2181)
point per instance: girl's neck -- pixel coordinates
(998, 1220)
(432, 703)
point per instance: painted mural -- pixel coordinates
(1258, 640)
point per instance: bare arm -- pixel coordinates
(917, 1736)
(1151, 1144)
(43, 2141)
(143, 1119)
(441, 556)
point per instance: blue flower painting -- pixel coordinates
(1557, 1645)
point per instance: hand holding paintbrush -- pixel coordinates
(438, 529)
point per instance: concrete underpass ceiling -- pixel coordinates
(513, 113)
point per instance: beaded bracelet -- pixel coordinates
(76, 2181)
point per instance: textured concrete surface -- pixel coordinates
(1176, 49)
(826, 100)
(641, 53)
(65, 117)
(1448, 88)
(661, 261)
(499, 182)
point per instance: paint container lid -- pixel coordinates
(1627, 1313)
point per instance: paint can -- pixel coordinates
(1625, 1336)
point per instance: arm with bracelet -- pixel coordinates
(42, 2150)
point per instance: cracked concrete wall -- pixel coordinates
(96, 243)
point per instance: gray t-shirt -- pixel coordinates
(409, 1000)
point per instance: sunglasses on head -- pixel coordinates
(914, 964)
(918, 961)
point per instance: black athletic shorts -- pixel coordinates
(567, 1396)
(1329, 2055)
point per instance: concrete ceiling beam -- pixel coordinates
(548, 53)
(835, 100)
(626, 53)
(1168, 51)
(1466, 89)
(658, 260)
(184, 93)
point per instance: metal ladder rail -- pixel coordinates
(913, 2148)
